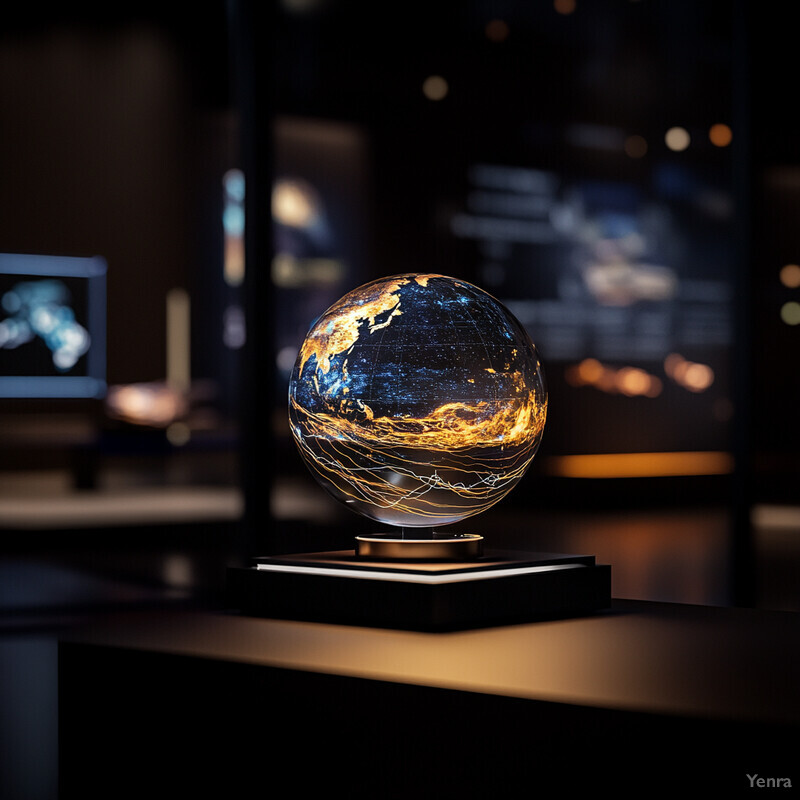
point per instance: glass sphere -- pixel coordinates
(417, 400)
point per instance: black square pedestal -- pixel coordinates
(497, 588)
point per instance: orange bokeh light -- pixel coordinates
(790, 276)
(720, 135)
(564, 6)
(497, 30)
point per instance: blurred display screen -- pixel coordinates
(52, 326)
(627, 290)
(319, 220)
(573, 161)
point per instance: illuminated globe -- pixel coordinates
(417, 400)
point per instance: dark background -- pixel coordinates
(117, 126)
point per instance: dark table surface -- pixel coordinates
(706, 662)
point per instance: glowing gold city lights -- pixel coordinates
(435, 459)
(449, 427)
(451, 464)
(328, 342)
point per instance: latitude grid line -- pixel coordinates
(379, 344)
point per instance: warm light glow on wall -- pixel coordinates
(564, 6)
(677, 139)
(435, 87)
(641, 465)
(720, 135)
(790, 276)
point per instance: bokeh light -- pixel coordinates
(790, 313)
(497, 30)
(435, 88)
(564, 6)
(677, 139)
(720, 135)
(40, 308)
(233, 223)
(294, 203)
(790, 276)
(178, 434)
(628, 380)
(691, 375)
(636, 146)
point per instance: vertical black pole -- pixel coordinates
(743, 564)
(250, 49)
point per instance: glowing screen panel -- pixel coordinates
(626, 287)
(52, 326)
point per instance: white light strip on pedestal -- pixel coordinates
(413, 578)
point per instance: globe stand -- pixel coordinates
(424, 544)
(498, 588)
(436, 417)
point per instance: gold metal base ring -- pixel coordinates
(451, 547)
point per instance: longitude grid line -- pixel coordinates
(483, 342)
(398, 372)
(375, 361)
